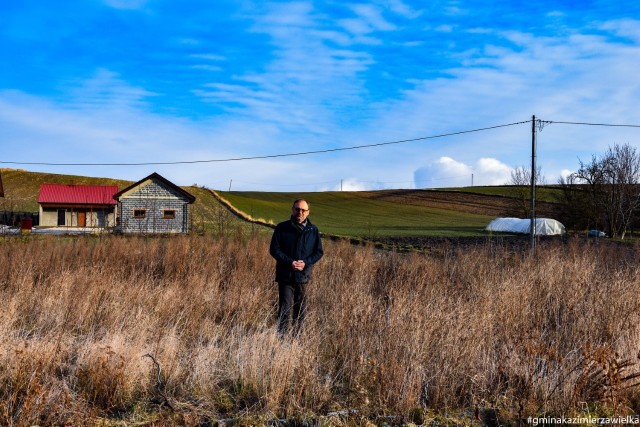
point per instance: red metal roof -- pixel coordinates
(78, 194)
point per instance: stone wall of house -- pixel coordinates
(156, 189)
(157, 201)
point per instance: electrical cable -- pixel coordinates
(588, 124)
(303, 153)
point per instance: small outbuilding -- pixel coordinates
(544, 226)
(153, 205)
(68, 205)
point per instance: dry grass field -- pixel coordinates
(180, 331)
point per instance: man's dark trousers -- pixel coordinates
(292, 301)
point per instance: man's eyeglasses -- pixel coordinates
(300, 210)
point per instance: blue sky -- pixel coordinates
(138, 81)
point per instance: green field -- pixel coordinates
(550, 194)
(360, 214)
(455, 212)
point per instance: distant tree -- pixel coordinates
(611, 188)
(521, 191)
(574, 204)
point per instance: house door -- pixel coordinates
(62, 213)
(82, 218)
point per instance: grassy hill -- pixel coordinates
(367, 214)
(384, 213)
(21, 187)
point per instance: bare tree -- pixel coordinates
(574, 209)
(612, 183)
(521, 182)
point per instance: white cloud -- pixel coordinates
(447, 172)
(352, 184)
(492, 172)
(564, 173)
(624, 28)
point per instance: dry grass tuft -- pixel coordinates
(387, 333)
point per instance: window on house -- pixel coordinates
(169, 214)
(139, 213)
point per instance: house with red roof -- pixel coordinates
(69, 205)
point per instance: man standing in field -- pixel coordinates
(296, 246)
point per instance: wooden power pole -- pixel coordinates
(532, 231)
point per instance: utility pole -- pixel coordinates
(533, 184)
(230, 181)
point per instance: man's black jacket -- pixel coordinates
(289, 244)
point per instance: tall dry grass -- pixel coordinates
(83, 320)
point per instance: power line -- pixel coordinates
(331, 150)
(271, 156)
(589, 124)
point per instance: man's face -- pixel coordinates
(300, 211)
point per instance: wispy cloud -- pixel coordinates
(372, 16)
(126, 4)
(208, 56)
(627, 28)
(131, 135)
(105, 89)
(311, 69)
(401, 8)
(553, 77)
